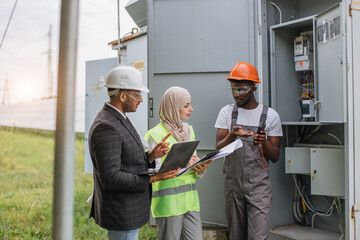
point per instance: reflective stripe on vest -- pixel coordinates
(174, 196)
(172, 191)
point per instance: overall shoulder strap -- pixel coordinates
(263, 116)
(234, 116)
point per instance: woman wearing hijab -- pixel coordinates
(175, 202)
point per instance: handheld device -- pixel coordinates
(260, 128)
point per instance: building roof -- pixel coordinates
(134, 34)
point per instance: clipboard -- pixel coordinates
(228, 149)
(178, 157)
(203, 159)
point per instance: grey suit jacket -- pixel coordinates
(121, 198)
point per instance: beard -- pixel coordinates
(244, 104)
(128, 106)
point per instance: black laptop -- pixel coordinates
(178, 156)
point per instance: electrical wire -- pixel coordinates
(261, 157)
(299, 138)
(7, 26)
(324, 214)
(287, 135)
(312, 133)
(332, 135)
(280, 15)
(295, 204)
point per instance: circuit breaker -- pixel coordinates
(303, 52)
(304, 65)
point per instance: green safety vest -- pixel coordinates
(174, 196)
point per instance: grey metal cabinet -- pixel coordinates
(326, 166)
(297, 160)
(329, 64)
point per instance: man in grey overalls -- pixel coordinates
(247, 182)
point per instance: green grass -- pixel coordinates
(26, 188)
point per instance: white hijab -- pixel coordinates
(172, 101)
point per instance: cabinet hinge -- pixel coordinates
(354, 6)
(355, 209)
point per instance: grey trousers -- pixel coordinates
(183, 227)
(248, 217)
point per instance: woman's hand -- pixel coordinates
(160, 150)
(164, 176)
(193, 160)
(201, 168)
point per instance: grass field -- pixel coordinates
(26, 188)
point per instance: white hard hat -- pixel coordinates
(125, 77)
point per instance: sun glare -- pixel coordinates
(27, 92)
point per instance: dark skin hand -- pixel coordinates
(271, 146)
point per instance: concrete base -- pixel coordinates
(215, 235)
(296, 232)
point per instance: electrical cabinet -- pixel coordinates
(297, 160)
(327, 172)
(325, 165)
(307, 69)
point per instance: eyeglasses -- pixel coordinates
(240, 90)
(135, 95)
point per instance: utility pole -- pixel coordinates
(50, 82)
(119, 47)
(6, 97)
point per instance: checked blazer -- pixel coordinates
(121, 198)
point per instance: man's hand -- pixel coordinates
(161, 149)
(260, 137)
(201, 168)
(164, 176)
(237, 131)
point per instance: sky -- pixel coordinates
(22, 56)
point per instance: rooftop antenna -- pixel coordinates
(6, 97)
(50, 82)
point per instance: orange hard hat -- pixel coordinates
(244, 71)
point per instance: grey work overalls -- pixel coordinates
(247, 189)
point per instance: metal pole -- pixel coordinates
(7, 26)
(118, 15)
(65, 135)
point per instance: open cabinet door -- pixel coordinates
(353, 32)
(331, 62)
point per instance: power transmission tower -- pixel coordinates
(50, 83)
(6, 97)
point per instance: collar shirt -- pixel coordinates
(116, 109)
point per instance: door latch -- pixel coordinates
(354, 6)
(151, 107)
(355, 209)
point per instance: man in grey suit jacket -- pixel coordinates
(121, 202)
